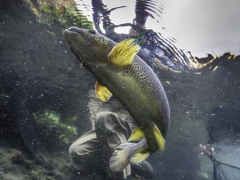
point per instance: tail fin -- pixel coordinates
(128, 152)
(136, 158)
(121, 156)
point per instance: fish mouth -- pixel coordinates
(74, 36)
(73, 30)
(79, 31)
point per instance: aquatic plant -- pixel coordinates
(66, 13)
(50, 125)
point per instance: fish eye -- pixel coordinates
(91, 31)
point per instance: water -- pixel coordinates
(48, 102)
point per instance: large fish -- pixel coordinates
(119, 71)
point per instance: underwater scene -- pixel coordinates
(119, 90)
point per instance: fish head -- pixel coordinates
(88, 45)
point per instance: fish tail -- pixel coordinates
(138, 157)
(128, 152)
(121, 156)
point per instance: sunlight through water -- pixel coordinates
(202, 27)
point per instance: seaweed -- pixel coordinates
(47, 12)
(52, 127)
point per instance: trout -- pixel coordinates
(119, 71)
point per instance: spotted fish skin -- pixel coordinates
(136, 86)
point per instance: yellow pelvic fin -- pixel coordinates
(136, 135)
(139, 157)
(102, 92)
(158, 136)
(123, 53)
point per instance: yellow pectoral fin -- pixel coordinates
(123, 53)
(158, 136)
(102, 92)
(137, 135)
(139, 157)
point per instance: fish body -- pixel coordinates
(133, 83)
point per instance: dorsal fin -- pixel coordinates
(123, 53)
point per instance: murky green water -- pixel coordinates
(47, 102)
